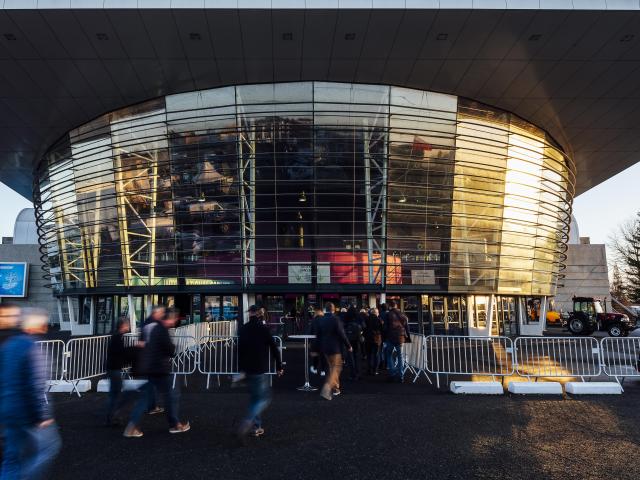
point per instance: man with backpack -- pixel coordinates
(397, 334)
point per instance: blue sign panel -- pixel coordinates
(13, 279)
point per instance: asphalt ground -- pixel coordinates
(374, 430)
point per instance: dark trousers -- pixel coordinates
(353, 360)
(373, 356)
(162, 385)
(29, 451)
(117, 397)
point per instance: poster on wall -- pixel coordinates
(13, 279)
(423, 277)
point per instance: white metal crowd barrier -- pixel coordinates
(219, 356)
(621, 357)
(545, 357)
(186, 357)
(461, 355)
(85, 358)
(53, 353)
(415, 360)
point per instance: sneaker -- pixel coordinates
(326, 396)
(313, 370)
(336, 393)
(156, 411)
(132, 432)
(180, 428)
(257, 432)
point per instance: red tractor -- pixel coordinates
(588, 316)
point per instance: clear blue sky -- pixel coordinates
(599, 211)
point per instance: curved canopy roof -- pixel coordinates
(571, 67)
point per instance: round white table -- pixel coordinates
(307, 386)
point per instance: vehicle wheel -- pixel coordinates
(577, 326)
(615, 330)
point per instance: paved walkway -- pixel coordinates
(375, 430)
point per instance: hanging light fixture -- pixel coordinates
(302, 197)
(202, 198)
(402, 199)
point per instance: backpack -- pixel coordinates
(353, 331)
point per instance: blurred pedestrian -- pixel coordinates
(331, 340)
(32, 439)
(254, 345)
(119, 357)
(9, 317)
(397, 334)
(373, 340)
(158, 313)
(156, 365)
(318, 361)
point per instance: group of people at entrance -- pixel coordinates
(351, 336)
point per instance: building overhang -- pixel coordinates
(574, 72)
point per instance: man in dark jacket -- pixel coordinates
(396, 330)
(331, 339)
(32, 439)
(155, 363)
(254, 345)
(118, 357)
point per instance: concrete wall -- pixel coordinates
(38, 295)
(586, 275)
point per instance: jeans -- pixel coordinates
(162, 385)
(394, 366)
(373, 356)
(29, 451)
(259, 399)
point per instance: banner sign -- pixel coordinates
(13, 279)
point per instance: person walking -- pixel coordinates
(9, 317)
(254, 345)
(318, 362)
(373, 341)
(331, 339)
(155, 363)
(354, 327)
(158, 313)
(118, 357)
(32, 439)
(397, 333)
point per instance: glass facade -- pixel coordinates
(302, 186)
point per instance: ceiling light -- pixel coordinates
(442, 36)
(627, 38)
(402, 199)
(302, 197)
(349, 36)
(195, 36)
(535, 37)
(202, 198)
(288, 36)
(10, 36)
(102, 36)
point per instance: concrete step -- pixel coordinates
(476, 388)
(105, 384)
(67, 387)
(535, 388)
(593, 388)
